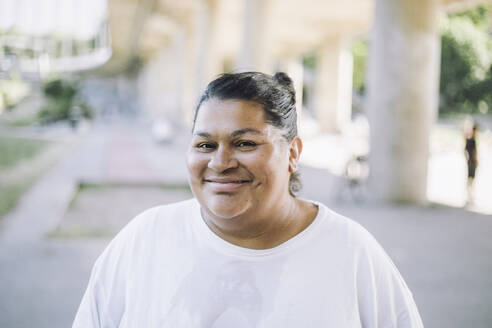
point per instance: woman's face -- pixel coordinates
(237, 163)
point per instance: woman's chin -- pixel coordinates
(226, 210)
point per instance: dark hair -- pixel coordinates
(275, 93)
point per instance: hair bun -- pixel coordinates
(283, 79)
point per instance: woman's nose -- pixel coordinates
(222, 159)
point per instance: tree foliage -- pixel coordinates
(466, 62)
(359, 52)
(63, 102)
(466, 58)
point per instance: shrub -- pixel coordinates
(63, 102)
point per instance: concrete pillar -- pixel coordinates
(403, 76)
(167, 84)
(187, 75)
(158, 87)
(333, 86)
(209, 54)
(256, 53)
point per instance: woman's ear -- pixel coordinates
(294, 154)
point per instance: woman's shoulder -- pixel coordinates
(156, 220)
(153, 226)
(342, 229)
(352, 240)
(165, 215)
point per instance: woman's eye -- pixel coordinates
(246, 144)
(205, 146)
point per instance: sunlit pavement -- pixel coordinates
(447, 181)
(446, 173)
(442, 252)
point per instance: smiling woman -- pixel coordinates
(236, 159)
(245, 252)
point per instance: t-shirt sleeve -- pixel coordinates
(103, 303)
(383, 296)
(95, 309)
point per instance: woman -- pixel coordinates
(471, 160)
(246, 252)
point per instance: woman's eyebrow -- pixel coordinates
(243, 131)
(233, 134)
(202, 134)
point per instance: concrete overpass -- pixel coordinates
(183, 44)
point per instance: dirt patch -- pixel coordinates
(102, 210)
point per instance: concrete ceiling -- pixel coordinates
(140, 28)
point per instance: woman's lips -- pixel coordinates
(226, 185)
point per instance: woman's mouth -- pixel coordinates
(226, 185)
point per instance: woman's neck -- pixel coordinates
(267, 228)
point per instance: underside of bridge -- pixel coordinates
(180, 45)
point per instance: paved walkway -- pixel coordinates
(443, 253)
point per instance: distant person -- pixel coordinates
(246, 251)
(471, 159)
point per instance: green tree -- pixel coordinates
(63, 102)
(359, 53)
(466, 62)
(466, 58)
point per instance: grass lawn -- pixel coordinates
(10, 194)
(14, 150)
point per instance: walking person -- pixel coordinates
(471, 161)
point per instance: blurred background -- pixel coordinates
(96, 103)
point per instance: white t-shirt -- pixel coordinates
(166, 268)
